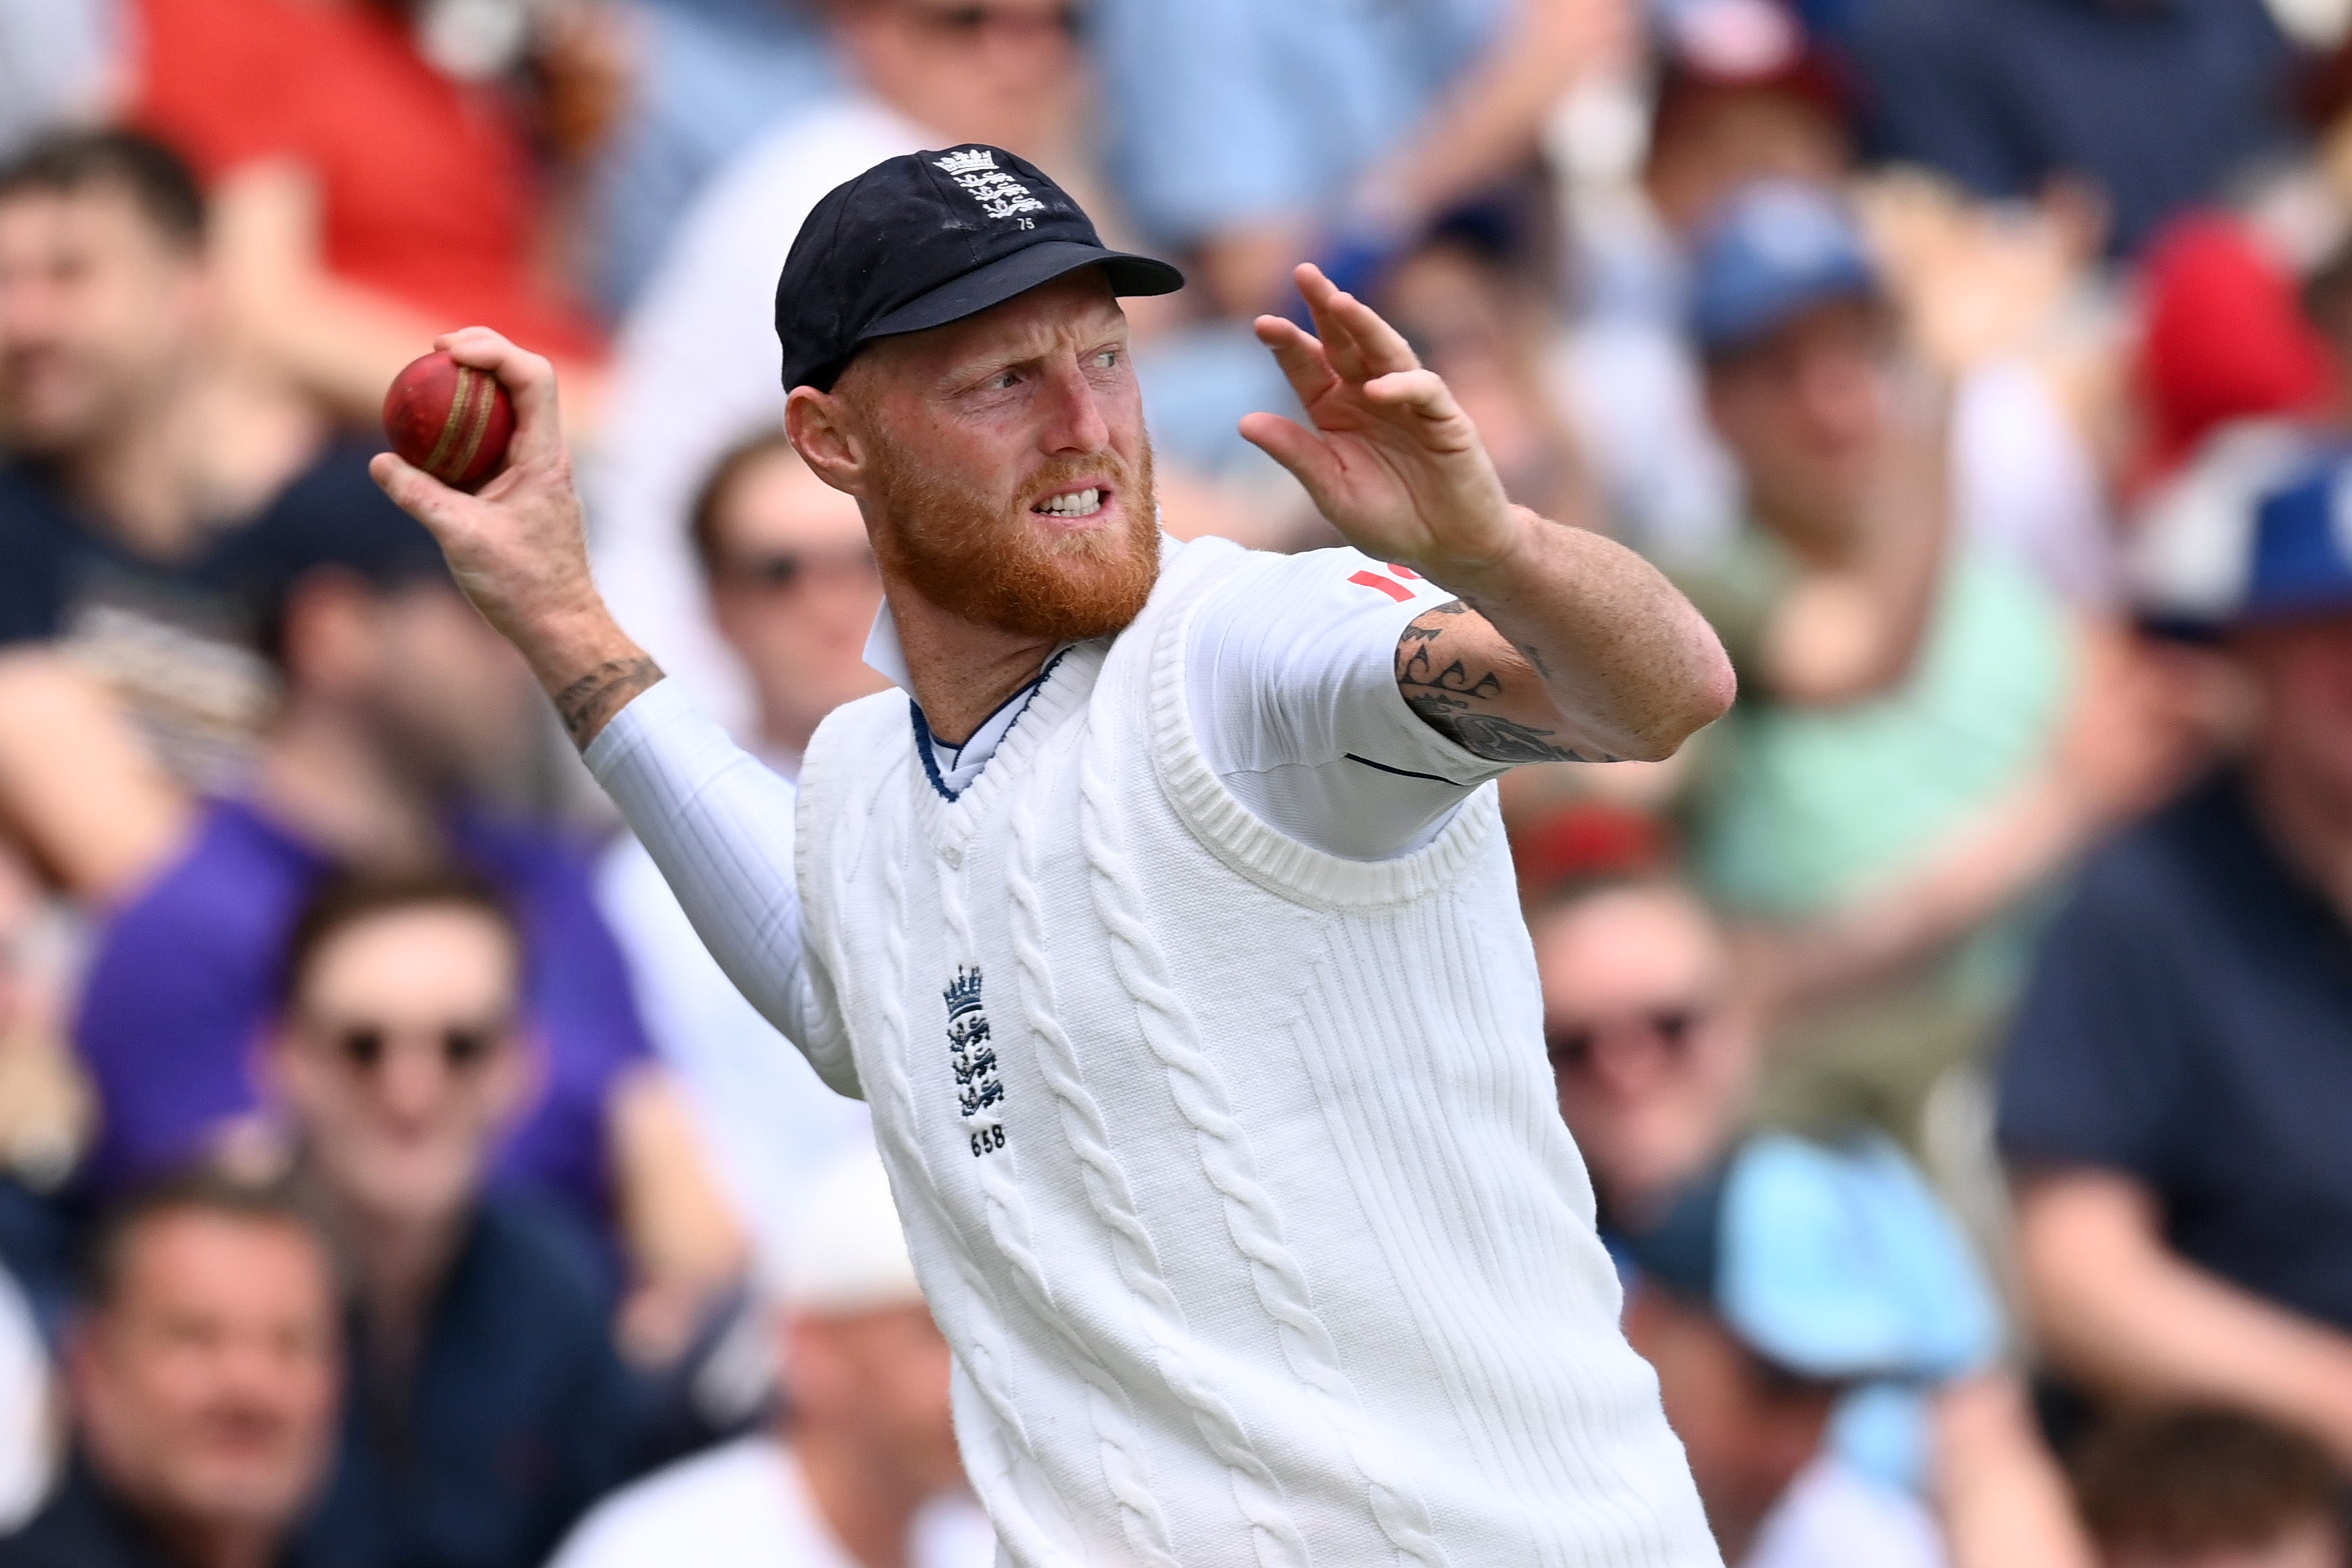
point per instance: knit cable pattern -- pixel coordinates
(1124, 1470)
(979, 1351)
(1251, 1217)
(1114, 1205)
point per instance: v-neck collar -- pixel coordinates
(989, 733)
(947, 820)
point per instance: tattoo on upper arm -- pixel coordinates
(589, 703)
(1451, 692)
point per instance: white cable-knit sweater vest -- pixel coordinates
(1231, 1170)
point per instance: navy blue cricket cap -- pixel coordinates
(926, 238)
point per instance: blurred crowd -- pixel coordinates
(1957, 1035)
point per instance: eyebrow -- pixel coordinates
(1035, 345)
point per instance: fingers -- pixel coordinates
(1423, 391)
(1360, 344)
(415, 491)
(1299, 355)
(1340, 346)
(1296, 448)
(529, 380)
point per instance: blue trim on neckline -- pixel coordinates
(925, 746)
(923, 751)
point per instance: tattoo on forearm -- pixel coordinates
(1526, 650)
(587, 704)
(1452, 698)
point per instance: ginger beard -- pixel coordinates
(970, 554)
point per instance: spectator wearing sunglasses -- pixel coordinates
(487, 1408)
(791, 586)
(1658, 1072)
(1654, 1069)
(401, 717)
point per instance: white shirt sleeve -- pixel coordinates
(1290, 672)
(718, 823)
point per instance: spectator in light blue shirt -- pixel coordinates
(1233, 112)
(1252, 134)
(1247, 137)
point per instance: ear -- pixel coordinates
(201, 295)
(518, 1077)
(275, 1064)
(77, 1360)
(815, 1370)
(819, 426)
(1644, 1318)
(1711, 398)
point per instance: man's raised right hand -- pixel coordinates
(518, 547)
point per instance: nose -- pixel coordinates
(410, 1083)
(1627, 1063)
(250, 1384)
(1075, 424)
(1836, 397)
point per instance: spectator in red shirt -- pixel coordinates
(365, 199)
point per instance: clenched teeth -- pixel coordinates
(1075, 503)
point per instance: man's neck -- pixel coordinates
(135, 483)
(2312, 828)
(209, 1543)
(785, 733)
(861, 1497)
(397, 1264)
(962, 671)
(324, 776)
(1819, 545)
(1736, 1537)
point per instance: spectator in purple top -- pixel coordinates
(398, 701)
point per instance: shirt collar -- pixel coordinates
(887, 658)
(883, 656)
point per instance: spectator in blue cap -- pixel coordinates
(1794, 1274)
(1892, 784)
(2172, 1099)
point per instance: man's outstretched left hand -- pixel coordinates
(1391, 460)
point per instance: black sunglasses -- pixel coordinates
(971, 20)
(1571, 1046)
(463, 1047)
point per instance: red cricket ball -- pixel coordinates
(449, 419)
